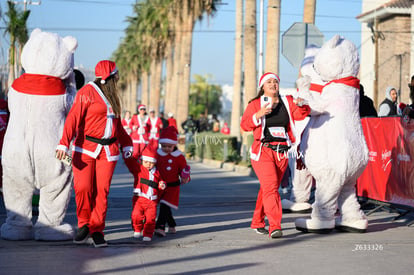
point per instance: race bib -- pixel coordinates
(278, 132)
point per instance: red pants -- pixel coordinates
(269, 169)
(92, 179)
(144, 213)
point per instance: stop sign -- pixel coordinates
(295, 40)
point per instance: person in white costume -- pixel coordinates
(302, 180)
(334, 147)
(39, 101)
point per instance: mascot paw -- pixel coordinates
(16, 233)
(62, 232)
(314, 225)
(353, 226)
(296, 207)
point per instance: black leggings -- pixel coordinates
(165, 217)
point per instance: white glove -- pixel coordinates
(303, 83)
(141, 130)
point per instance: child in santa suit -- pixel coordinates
(140, 129)
(148, 186)
(174, 170)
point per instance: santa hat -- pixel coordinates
(105, 69)
(170, 114)
(141, 106)
(149, 154)
(266, 77)
(168, 135)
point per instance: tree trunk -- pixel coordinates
(272, 37)
(155, 92)
(250, 52)
(184, 90)
(237, 74)
(177, 71)
(144, 89)
(309, 11)
(169, 68)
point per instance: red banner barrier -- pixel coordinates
(389, 175)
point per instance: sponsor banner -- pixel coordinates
(389, 175)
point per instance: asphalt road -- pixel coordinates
(213, 237)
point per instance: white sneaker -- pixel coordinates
(137, 235)
(146, 239)
(172, 230)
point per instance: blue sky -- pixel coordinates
(98, 25)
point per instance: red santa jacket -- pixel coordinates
(155, 125)
(146, 182)
(250, 123)
(140, 129)
(125, 123)
(91, 115)
(170, 166)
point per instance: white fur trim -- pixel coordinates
(167, 140)
(267, 77)
(62, 147)
(150, 159)
(256, 121)
(169, 204)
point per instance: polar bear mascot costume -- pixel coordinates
(39, 101)
(334, 147)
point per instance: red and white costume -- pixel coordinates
(170, 166)
(155, 126)
(268, 164)
(125, 123)
(148, 186)
(91, 116)
(140, 129)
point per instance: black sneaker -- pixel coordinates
(261, 230)
(82, 235)
(277, 233)
(98, 239)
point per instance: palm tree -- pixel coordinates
(237, 74)
(272, 36)
(17, 30)
(250, 50)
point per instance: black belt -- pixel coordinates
(280, 148)
(174, 183)
(150, 183)
(102, 141)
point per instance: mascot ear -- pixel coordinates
(71, 43)
(334, 41)
(35, 32)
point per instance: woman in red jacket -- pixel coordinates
(94, 121)
(270, 116)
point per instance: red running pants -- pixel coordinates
(92, 179)
(270, 170)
